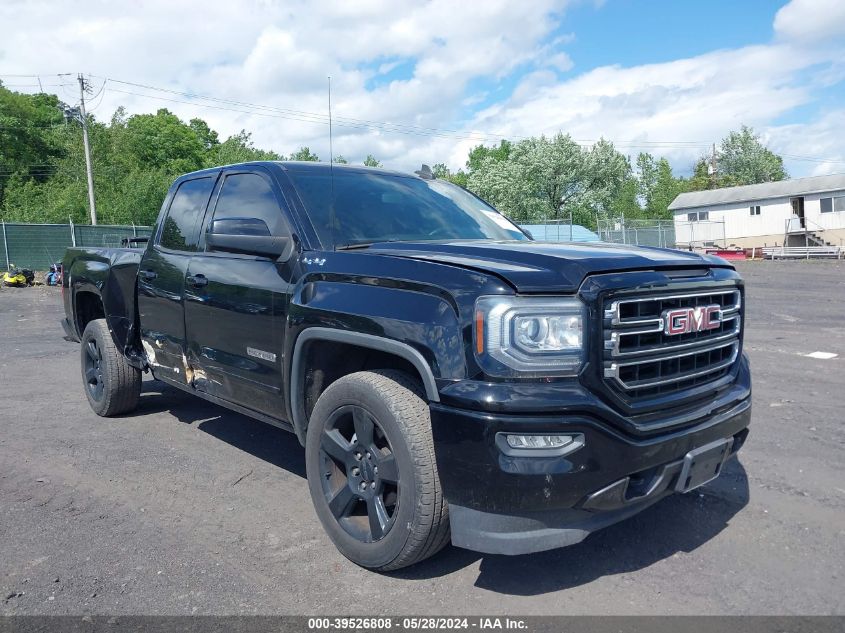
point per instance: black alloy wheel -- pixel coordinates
(361, 478)
(93, 368)
(112, 385)
(372, 474)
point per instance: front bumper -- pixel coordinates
(514, 505)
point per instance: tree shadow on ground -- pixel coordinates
(273, 445)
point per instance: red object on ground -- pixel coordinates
(727, 253)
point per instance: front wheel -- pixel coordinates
(112, 385)
(372, 473)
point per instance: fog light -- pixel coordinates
(539, 444)
(539, 441)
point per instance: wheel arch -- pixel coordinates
(87, 305)
(409, 359)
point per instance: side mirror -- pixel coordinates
(249, 236)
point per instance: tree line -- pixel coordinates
(135, 158)
(542, 179)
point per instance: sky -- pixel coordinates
(425, 81)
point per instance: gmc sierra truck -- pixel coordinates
(448, 376)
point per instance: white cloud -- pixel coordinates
(280, 54)
(819, 143)
(811, 20)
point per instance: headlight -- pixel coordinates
(529, 336)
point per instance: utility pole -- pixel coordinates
(712, 169)
(92, 206)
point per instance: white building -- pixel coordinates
(798, 211)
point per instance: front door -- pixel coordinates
(798, 210)
(235, 304)
(161, 278)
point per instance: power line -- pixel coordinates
(350, 122)
(313, 119)
(812, 159)
(316, 116)
(302, 116)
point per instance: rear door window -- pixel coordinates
(180, 231)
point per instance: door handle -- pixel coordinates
(148, 275)
(197, 281)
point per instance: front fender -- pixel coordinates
(419, 325)
(423, 319)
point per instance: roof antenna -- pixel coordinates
(332, 216)
(425, 172)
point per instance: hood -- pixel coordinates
(547, 266)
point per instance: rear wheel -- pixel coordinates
(112, 385)
(371, 471)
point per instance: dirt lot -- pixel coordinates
(186, 508)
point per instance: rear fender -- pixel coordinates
(112, 276)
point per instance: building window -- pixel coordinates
(698, 216)
(754, 210)
(829, 205)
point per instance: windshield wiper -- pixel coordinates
(354, 245)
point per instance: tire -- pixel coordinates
(111, 384)
(411, 520)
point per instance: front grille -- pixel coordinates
(641, 359)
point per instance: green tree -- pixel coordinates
(743, 160)
(340, 160)
(646, 175)
(657, 186)
(625, 203)
(371, 161)
(27, 147)
(666, 189)
(480, 153)
(162, 141)
(304, 153)
(551, 178)
(441, 171)
(238, 148)
(42, 166)
(205, 134)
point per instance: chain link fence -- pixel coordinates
(660, 233)
(37, 246)
(701, 234)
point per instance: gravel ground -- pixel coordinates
(184, 507)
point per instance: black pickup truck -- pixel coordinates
(448, 376)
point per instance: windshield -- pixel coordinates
(381, 207)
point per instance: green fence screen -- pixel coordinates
(37, 246)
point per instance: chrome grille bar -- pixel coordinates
(642, 358)
(612, 312)
(613, 369)
(613, 343)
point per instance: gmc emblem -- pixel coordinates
(688, 320)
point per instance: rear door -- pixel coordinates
(236, 304)
(161, 277)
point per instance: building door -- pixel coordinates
(798, 210)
